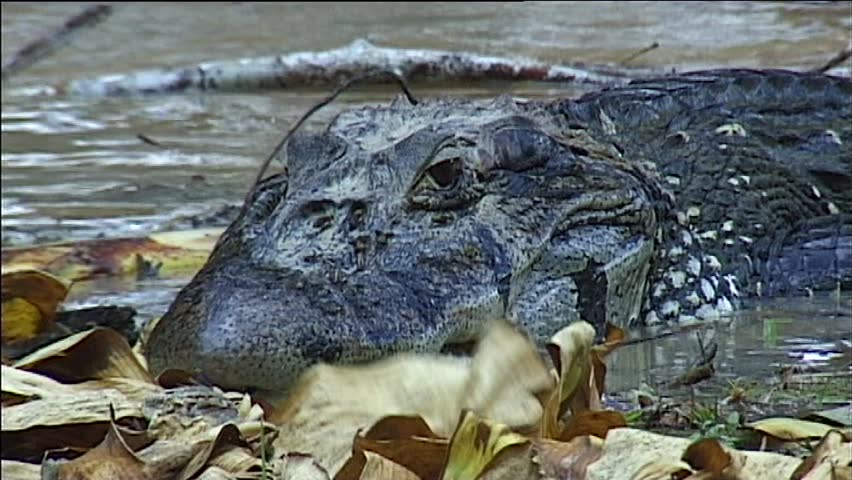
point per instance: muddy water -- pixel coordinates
(74, 168)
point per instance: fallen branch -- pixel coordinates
(358, 59)
(49, 43)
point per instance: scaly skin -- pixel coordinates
(406, 228)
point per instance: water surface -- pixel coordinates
(73, 168)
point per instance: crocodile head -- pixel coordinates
(406, 228)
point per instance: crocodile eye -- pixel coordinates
(446, 173)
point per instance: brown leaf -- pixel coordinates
(380, 468)
(167, 457)
(398, 440)
(29, 302)
(399, 426)
(566, 460)
(590, 422)
(91, 355)
(171, 253)
(228, 437)
(112, 458)
(707, 455)
(832, 455)
(76, 420)
(631, 454)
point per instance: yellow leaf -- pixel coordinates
(475, 444)
(790, 429)
(21, 320)
(570, 351)
(30, 299)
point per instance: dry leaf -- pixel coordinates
(566, 460)
(111, 459)
(29, 302)
(227, 437)
(707, 455)
(790, 429)
(77, 420)
(630, 454)
(216, 473)
(380, 468)
(475, 444)
(590, 422)
(95, 354)
(615, 336)
(297, 466)
(168, 457)
(20, 470)
(20, 386)
(170, 253)
(570, 350)
(833, 455)
(406, 441)
(331, 403)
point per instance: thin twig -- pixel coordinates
(150, 141)
(836, 60)
(48, 44)
(321, 104)
(635, 55)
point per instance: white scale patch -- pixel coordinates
(707, 290)
(712, 262)
(723, 305)
(693, 266)
(732, 284)
(670, 308)
(677, 278)
(693, 299)
(707, 312)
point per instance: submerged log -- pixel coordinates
(360, 58)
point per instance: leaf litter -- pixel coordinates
(86, 407)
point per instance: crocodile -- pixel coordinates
(406, 227)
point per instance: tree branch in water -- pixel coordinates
(358, 59)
